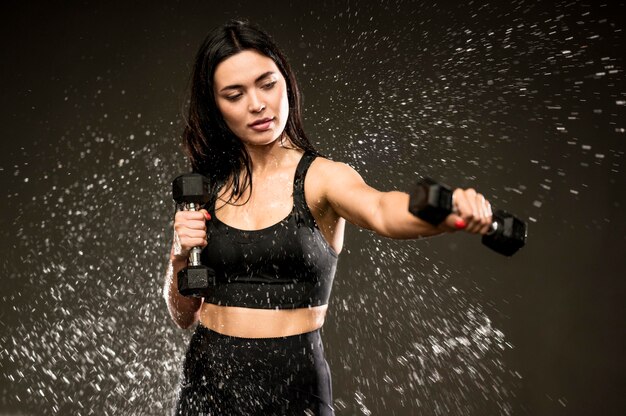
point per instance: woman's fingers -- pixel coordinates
(485, 207)
(189, 238)
(473, 209)
(190, 230)
(192, 219)
(190, 233)
(462, 206)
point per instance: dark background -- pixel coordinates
(525, 101)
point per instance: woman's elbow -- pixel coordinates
(186, 324)
(184, 320)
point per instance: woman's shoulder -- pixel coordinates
(326, 176)
(329, 169)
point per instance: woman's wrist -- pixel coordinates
(177, 256)
(178, 259)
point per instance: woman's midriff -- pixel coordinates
(261, 323)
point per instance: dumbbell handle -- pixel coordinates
(194, 253)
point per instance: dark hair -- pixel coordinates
(213, 149)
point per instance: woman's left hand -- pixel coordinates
(472, 212)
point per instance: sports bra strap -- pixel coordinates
(301, 210)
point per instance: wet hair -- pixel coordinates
(212, 148)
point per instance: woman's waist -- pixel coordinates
(261, 323)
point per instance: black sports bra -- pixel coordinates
(284, 266)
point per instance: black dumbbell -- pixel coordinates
(431, 201)
(192, 190)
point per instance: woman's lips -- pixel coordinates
(262, 125)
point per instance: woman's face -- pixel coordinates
(251, 94)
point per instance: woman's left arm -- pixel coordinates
(387, 213)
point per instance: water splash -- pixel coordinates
(498, 90)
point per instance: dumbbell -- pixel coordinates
(192, 190)
(431, 201)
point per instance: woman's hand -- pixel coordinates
(472, 212)
(189, 232)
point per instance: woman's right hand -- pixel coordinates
(189, 232)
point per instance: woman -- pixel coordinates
(272, 233)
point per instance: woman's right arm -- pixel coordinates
(189, 231)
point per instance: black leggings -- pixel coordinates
(224, 375)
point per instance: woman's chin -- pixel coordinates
(262, 140)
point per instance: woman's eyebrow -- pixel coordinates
(259, 78)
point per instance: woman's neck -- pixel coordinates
(269, 158)
(266, 161)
